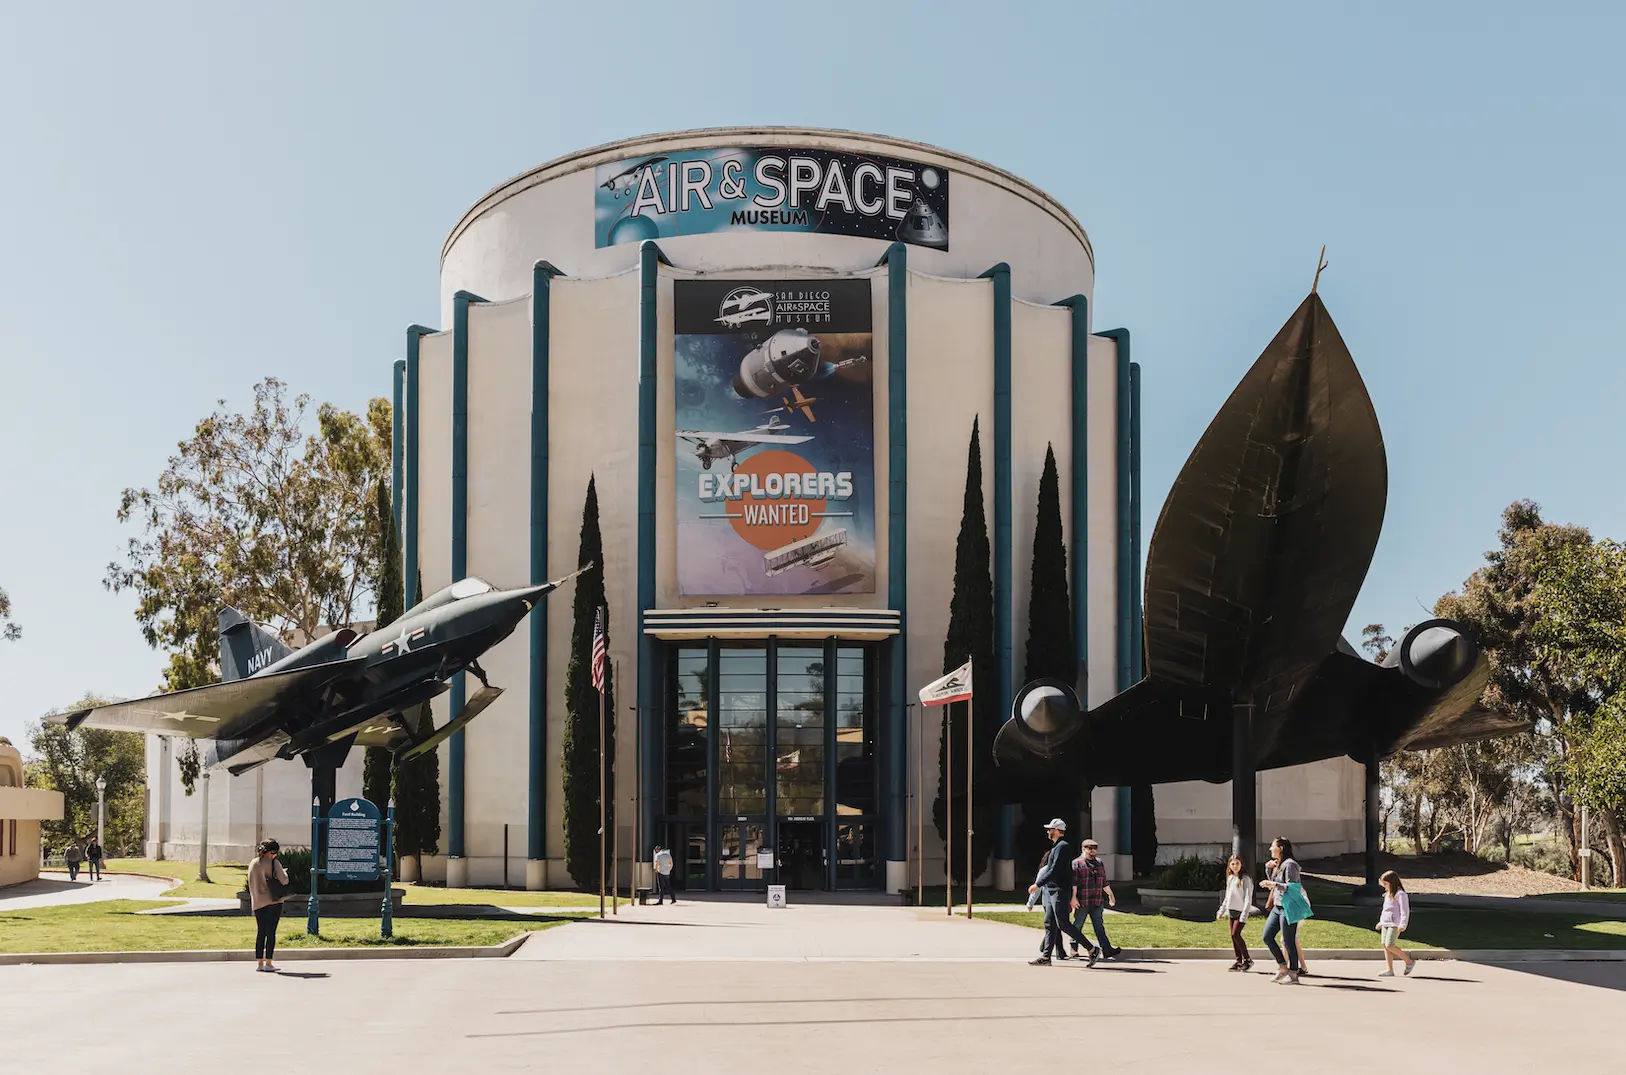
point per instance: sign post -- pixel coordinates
(954, 687)
(313, 914)
(386, 920)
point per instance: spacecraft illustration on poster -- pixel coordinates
(775, 414)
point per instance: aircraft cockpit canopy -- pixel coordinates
(457, 591)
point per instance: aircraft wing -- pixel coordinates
(212, 711)
(755, 438)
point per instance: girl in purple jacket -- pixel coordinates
(1393, 922)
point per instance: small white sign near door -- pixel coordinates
(776, 895)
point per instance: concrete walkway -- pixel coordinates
(54, 889)
(646, 993)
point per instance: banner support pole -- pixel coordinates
(970, 814)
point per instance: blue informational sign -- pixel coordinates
(353, 841)
(701, 191)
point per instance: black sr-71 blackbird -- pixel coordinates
(1254, 566)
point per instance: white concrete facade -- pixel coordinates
(593, 409)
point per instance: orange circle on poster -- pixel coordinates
(775, 519)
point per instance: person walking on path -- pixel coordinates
(1282, 873)
(93, 855)
(1034, 893)
(1237, 905)
(1089, 885)
(1393, 921)
(267, 888)
(73, 857)
(663, 876)
(1055, 881)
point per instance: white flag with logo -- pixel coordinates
(954, 687)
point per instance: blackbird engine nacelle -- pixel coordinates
(1435, 654)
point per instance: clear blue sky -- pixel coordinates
(194, 197)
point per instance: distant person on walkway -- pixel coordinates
(267, 908)
(663, 876)
(93, 855)
(1089, 885)
(1236, 905)
(1282, 871)
(1055, 881)
(1393, 921)
(73, 857)
(1034, 893)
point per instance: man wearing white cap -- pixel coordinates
(1055, 880)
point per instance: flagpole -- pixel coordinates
(615, 830)
(601, 780)
(920, 806)
(948, 810)
(970, 814)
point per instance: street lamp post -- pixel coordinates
(101, 789)
(203, 837)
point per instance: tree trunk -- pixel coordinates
(1617, 848)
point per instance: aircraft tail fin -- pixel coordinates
(245, 646)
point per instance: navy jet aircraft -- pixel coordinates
(338, 691)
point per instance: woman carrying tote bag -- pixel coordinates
(267, 888)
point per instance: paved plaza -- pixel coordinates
(717, 986)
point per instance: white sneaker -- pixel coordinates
(1281, 976)
(1384, 974)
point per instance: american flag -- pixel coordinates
(601, 650)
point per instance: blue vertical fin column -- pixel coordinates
(409, 504)
(1078, 561)
(1128, 599)
(536, 817)
(650, 259)
(1004, 646)
(397, 445)
(895, 727)
(1137, 633)
(460, 548)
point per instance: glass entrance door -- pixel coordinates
(803, 863)
(739, 845)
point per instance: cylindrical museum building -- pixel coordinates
(767, 350)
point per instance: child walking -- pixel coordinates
(1237, 904)
(1393, 921)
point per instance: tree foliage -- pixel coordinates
(1049, 648)
(10, 630)
(255, 512)
(71, 762)
(970, 634)
(581, 745)
(1539, 607)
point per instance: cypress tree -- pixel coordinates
(970, 634)
(417, 788)
(581, 738)
(1049, 651)
(377, 774)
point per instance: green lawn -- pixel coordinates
(115, 926)
(1589, 894)
(434, 895)
(226, 881)
(1352, 928)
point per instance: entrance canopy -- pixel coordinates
(857, 624)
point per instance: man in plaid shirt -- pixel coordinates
(1089, 886)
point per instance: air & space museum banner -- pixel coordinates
(701, 191)
(774, 390)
